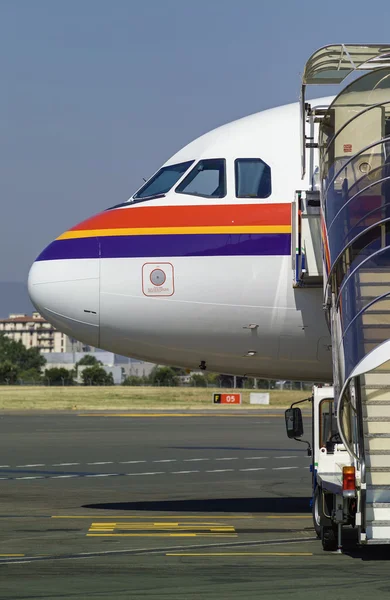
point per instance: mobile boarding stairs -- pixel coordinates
(350, 213)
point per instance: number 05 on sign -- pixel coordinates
(227, 398)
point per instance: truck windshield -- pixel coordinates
(162, 181)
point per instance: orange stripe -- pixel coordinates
(190, 216)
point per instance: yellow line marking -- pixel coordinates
(239, 554)
(289, 517)
(90, 517)
(11, 555)
(151, 528)
(164, 415)
(161, 535)
(120, 231)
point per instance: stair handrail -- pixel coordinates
(362, 461)
(340, 406)
(347, 278)
(372, 184)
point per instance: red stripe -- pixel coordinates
(187, 216)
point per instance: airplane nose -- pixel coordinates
(64, 288)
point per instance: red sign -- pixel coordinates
(227, 398)
(347, 147)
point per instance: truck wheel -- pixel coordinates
(316, 511)
(329, 539)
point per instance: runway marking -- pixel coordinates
(183, 472)
(219, 471)
(151, 551)
(43, 475)
(254, 469)
(289, 517)
(239, 554)
(153, 473)
(181, 415)
(278, 457)
(102, 475)
(182, 528)
(144, 461)
(178, 517)
(283, 468)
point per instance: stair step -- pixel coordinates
(381, 305)
(378, 476)
(377, 444)
(376, 411)
(373, 426)
(377, 494)
(376, 461)
(378, 530)
(377, 511)
(374, 276)
(374, 289)
(375, 333)
(376, 378)
(375, 318)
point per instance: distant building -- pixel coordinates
(120, 366)
(35, 332)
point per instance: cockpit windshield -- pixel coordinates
(162, 181)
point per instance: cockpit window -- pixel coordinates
(207, 179)
(162, 181)
(253, 178)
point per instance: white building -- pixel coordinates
(120, 366)
(35, 332)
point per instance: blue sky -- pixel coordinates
(96, 94)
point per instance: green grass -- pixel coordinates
(127, 398)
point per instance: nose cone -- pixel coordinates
(64, 287)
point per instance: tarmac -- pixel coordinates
(166, 505)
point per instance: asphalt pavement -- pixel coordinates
(166, 505)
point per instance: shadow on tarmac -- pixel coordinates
(234, 505)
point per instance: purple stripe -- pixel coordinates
(77, 248)
(146, 246)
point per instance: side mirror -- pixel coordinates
(294, 423)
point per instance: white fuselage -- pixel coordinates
(225, 296)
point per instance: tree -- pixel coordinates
(59, 376)
(9, 372)
(96, 375)
(88, 360)
(30, 376)
(22, 358)
(164, 376)
(133, 380)
(198, 380)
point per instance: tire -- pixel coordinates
(329, 539)
(316, 511)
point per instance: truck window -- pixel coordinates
(326, 421)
